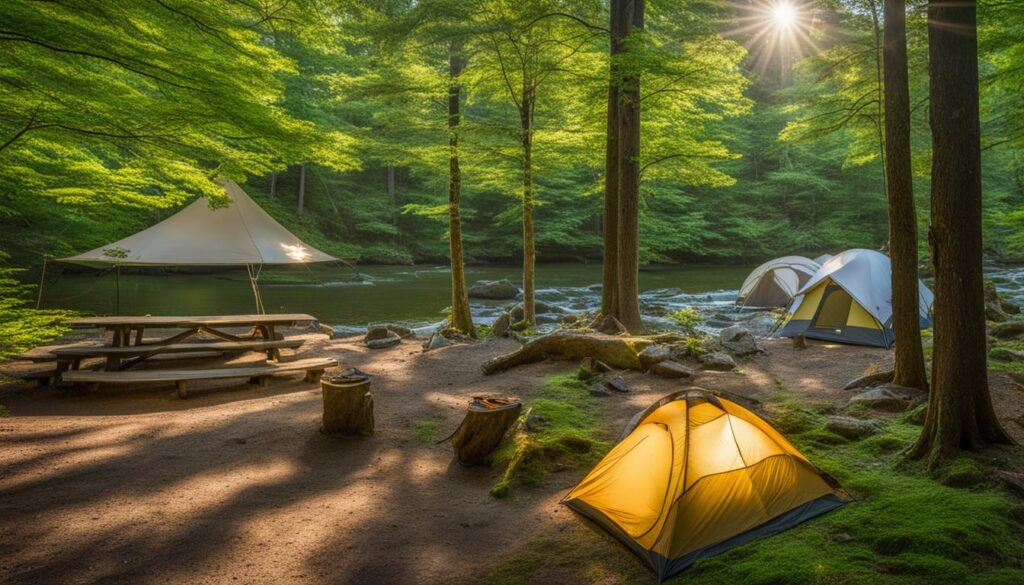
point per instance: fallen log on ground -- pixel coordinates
(487, 420)
(616, 351)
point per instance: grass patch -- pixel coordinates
(429, 431)
(906, 527)
(565, 434)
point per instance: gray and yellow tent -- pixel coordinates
(696, 474)
(849, 300)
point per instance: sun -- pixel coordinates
(784, 14)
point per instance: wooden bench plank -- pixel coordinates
(181, 377)
(136, 350)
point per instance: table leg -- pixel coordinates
(138, 335)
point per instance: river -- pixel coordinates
(417, 296)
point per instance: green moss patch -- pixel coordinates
(564, 433)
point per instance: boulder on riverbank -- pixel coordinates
(718, 361)
(738, 341)
(495, 290)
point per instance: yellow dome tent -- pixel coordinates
(695, 475)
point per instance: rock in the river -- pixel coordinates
(1009, 307)
(436, 341)
(598, 389)
(718, 361)
(544, 311)
(609, 325)
(501, 325)
(851, 428)
(890, 397)
(671, 369)
(617, 384)
(399, 330)
(738, 341)
(1005, 354)
(1008, 330)
(654, 354)
(501, 290)
(389, 340)
(993, 307)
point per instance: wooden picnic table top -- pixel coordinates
(192, 321)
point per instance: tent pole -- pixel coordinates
(117, 280)
(42, 280)
(253, 275)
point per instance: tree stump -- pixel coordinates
(348, 404)
(487, 420)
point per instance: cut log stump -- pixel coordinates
(348, 404)
(613, 350)
(487, 420)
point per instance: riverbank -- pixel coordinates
(236, 483)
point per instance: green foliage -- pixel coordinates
(567, 435)
(22, 327)
(687, 317)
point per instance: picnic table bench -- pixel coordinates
(313, 367)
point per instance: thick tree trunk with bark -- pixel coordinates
(610, 224)
(527, 104)
(302, 188)
(616, 351)
(462, 319)
(632, 15)
(487, 420)
(909, 366)
(960, 413)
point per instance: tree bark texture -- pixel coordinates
(960, 413)
(462, 319)
(487, 421)
(526, 111)
(348, 408)
(909, 363)
(614, 350)
(610, 223)
(632, 16)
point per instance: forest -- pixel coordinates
(753, 146)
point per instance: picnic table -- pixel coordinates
(122, 328)
(127, 339)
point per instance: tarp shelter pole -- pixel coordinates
(117, 285)
(253, 281)
(42, 280)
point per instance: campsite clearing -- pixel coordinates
(137, 486)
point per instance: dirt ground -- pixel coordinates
(236, 483)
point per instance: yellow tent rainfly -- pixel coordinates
(849, 300)
(696, 474)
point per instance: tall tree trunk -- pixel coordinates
(527, 104)
(960, 414)
(273, 184)
(632, 15)
(610, 223)
(462, 319)
(302, 188)
(879, 91)
(909, 370)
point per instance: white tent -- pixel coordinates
(850, 300)
(823, 258)
(774, 283)
(239, 234)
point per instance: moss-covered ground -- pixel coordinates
(904, 527)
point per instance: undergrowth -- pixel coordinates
(564, 433)
(905, 527)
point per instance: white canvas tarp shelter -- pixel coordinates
(850, 300)
(239, 234)
(774, 283)
(823, 258)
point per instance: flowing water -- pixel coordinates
(417, 295)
